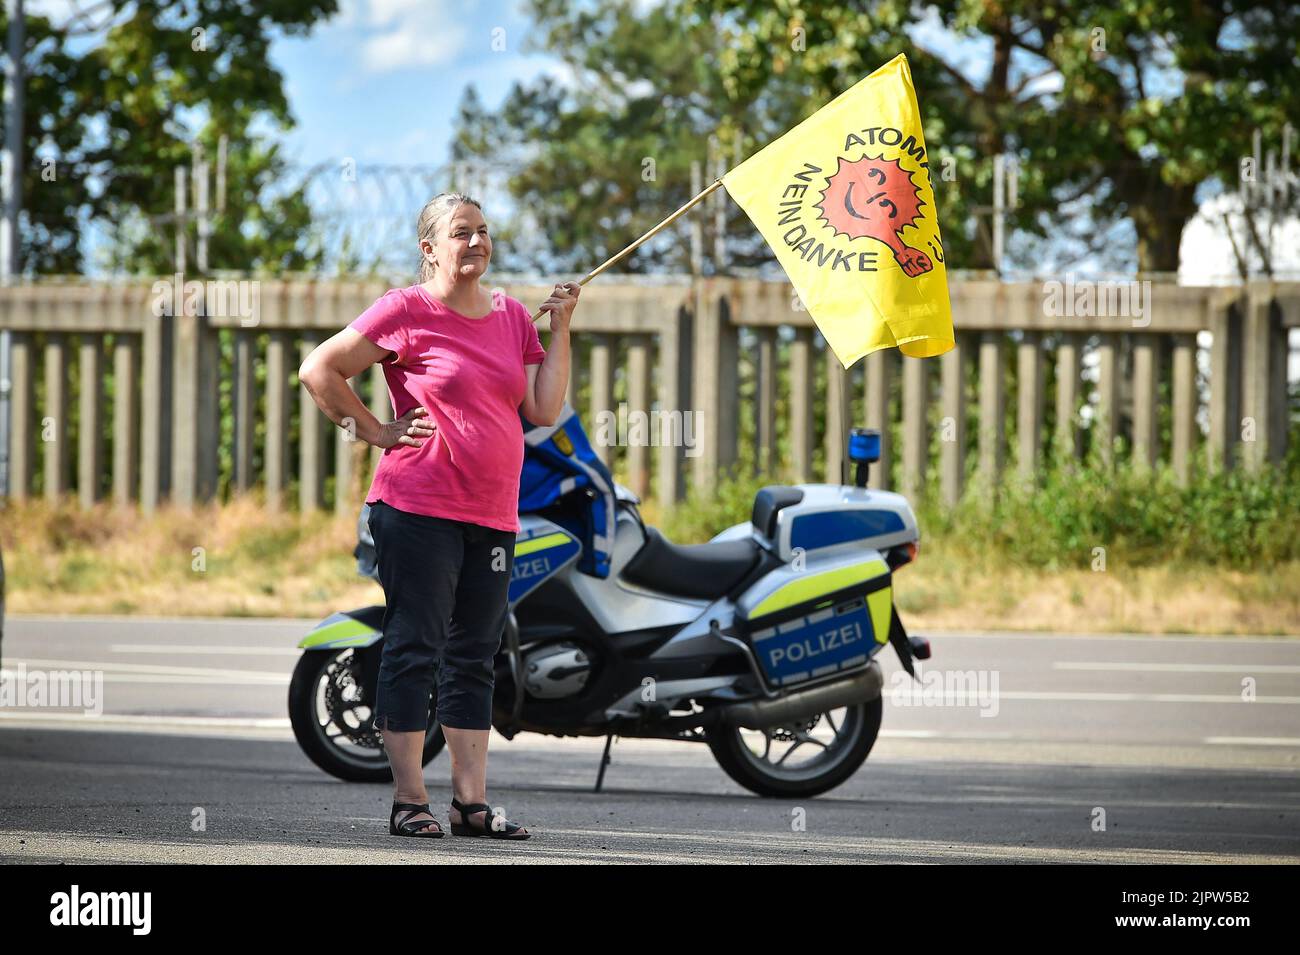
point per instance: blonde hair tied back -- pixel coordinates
(434, 212)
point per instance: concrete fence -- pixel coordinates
(144, 393)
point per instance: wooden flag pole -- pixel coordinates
(708, 190)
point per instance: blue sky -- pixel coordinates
(380, 81)
(378, 84)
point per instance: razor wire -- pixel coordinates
(364, 214)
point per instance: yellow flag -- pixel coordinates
(844, 200)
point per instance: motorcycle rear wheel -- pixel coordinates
(853, 731)
(330, 717)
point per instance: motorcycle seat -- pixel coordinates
(691, 570)
(768, 503)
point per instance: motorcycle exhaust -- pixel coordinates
(805, 704)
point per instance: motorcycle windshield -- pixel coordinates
(558, 460)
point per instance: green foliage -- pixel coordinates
(1117, 112)
(1141, 517)
(264, 228)
(269, 544)
(117, 115)
(592, 165)
(1236, 519)
(1129, 105)
(81, 573)
(701, 516)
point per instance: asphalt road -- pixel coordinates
(1153, 731)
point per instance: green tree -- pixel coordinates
(1118, 112)
(1127, 107)
(117, 113)
(593, 164)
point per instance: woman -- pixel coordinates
(461, 364)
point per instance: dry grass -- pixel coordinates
(251, 563)
(107, 561)
(951, 593)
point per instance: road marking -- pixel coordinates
(174, 621)
(173, 679)
(936, 734)
(1010, 738)
(1142, 697)
(1180, 667)
(153, 672)
(115, 720)
(280, 727)
(159, 673)
(114, 667)
(173, 648)
(1273, 639)
(921, 697)
(1253, 740)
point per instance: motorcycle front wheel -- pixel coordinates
(331, 716)
(801, 760)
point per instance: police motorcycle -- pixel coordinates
(760, 644)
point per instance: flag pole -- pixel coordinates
(707, 191)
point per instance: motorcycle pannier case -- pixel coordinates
(807, 625)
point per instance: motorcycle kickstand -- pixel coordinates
(604, 761)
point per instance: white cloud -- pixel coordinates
(397, 50)
(1206, 254)
(392, 35)
(58, 10)
(82, 15)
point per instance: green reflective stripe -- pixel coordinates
(817, 585)
(540, 543)
(879, 603)
(355, 641)
(354, 632)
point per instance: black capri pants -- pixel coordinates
(446, 586)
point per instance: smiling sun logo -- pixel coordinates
(875, 198)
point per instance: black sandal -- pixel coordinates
(464, 828)
(413, 827)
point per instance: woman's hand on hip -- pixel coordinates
(561, 304)
(411, 428)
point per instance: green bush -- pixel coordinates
(699, 517)
(1141, 517)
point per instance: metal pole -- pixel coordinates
(1287, 130)
(718, 168)
(697, 229)
(13, 142)
(222, 145)
(11, 159)
(180, 221)
(999, 210)
(201, 209)
(700, 196)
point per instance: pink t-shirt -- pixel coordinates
(468, 373)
